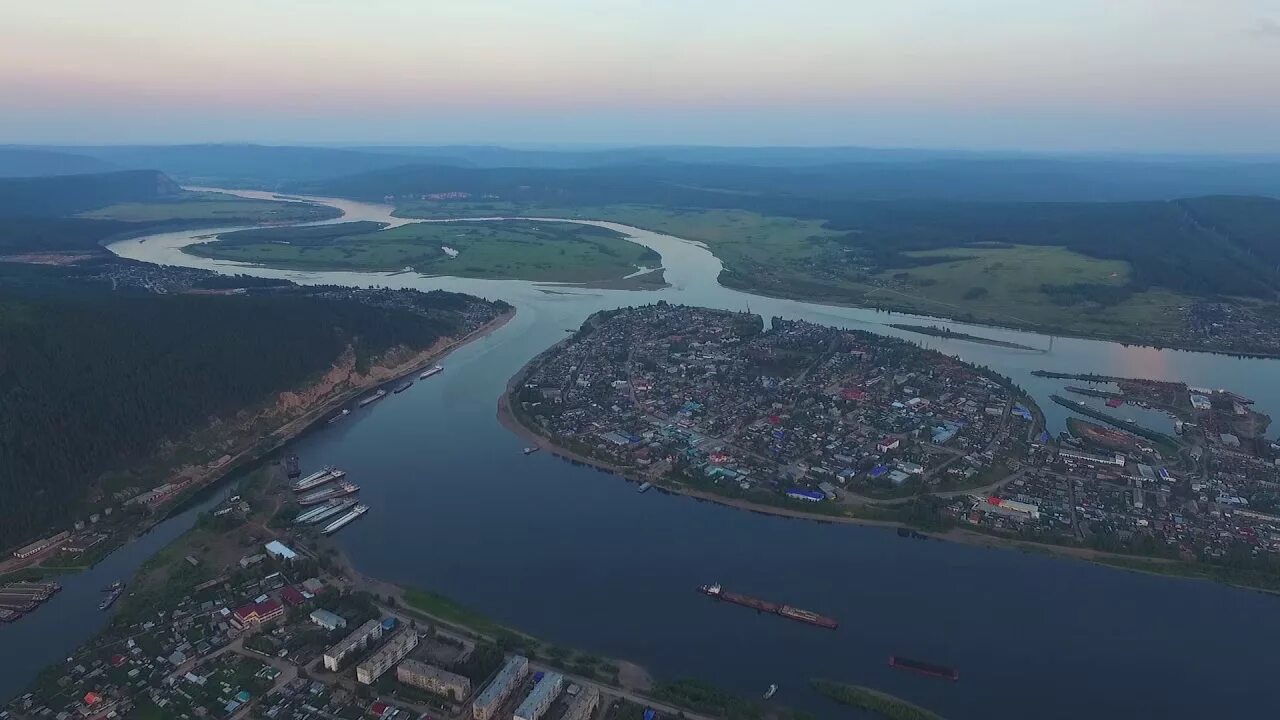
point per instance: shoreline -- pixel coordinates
(280, 437)
(1125, 340)
(955, 534)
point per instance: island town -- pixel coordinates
(804, 419)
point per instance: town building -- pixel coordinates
(433, 680)
(507, 679)
(40, 545)
(327, 620)
(1069, 455)
(355, 642)
(583, 706)
(256, 613)
(280, 551)
(540, 698)
(393, 651)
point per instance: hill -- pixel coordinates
(70, 194)
(255, 166)
(32, 162)
(81, 418)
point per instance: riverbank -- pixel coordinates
(1126, 340)
(879, 703)
(316, 400)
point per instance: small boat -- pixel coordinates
(531, 450)
(773, 688)
(644, 487)
(345, 412)
(431, 371)
(404, 386)
(113, 587)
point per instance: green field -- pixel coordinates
(995, 283)
(510, 250)
(212, 208)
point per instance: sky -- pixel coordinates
(1199, 76)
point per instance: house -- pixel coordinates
(889, 443)
(256, 613)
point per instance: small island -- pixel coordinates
(539, 251)
(949, 334)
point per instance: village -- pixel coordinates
(801, 414)
(250, 615)
(828, 421)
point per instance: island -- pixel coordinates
(834, 424)
(539, 251)
(949, 334)
(796, 417)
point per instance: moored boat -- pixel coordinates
(431, 371)
(345, 520)
(334, 491)
(316, 479)
(372, 398)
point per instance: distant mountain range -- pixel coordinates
(829, 174)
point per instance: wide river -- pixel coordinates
(579, 558)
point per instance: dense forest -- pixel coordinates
(69, 194)
(93, 382)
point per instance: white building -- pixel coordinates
(400, 645)
(492, 697)
(355, 642)
(540, 698)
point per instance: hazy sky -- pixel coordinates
(1180, 75)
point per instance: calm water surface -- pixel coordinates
(579, 558)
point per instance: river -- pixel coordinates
(579, 558)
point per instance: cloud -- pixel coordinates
(1266, 28)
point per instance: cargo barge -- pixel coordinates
(329, 493)
(346, 519)
(367, 399)
(345, 412)
(786, 611)
(318, 478)
(401, 388)
(431, 371)
(924, 668)
(320, 512)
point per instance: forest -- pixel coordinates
(93, 382)
(70, 194)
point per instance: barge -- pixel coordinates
(346, 519)
(924, 668)
(791, 613)
(368, 399)
(316, 479)
(431, 371)
(402, 387)
(329, 493)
